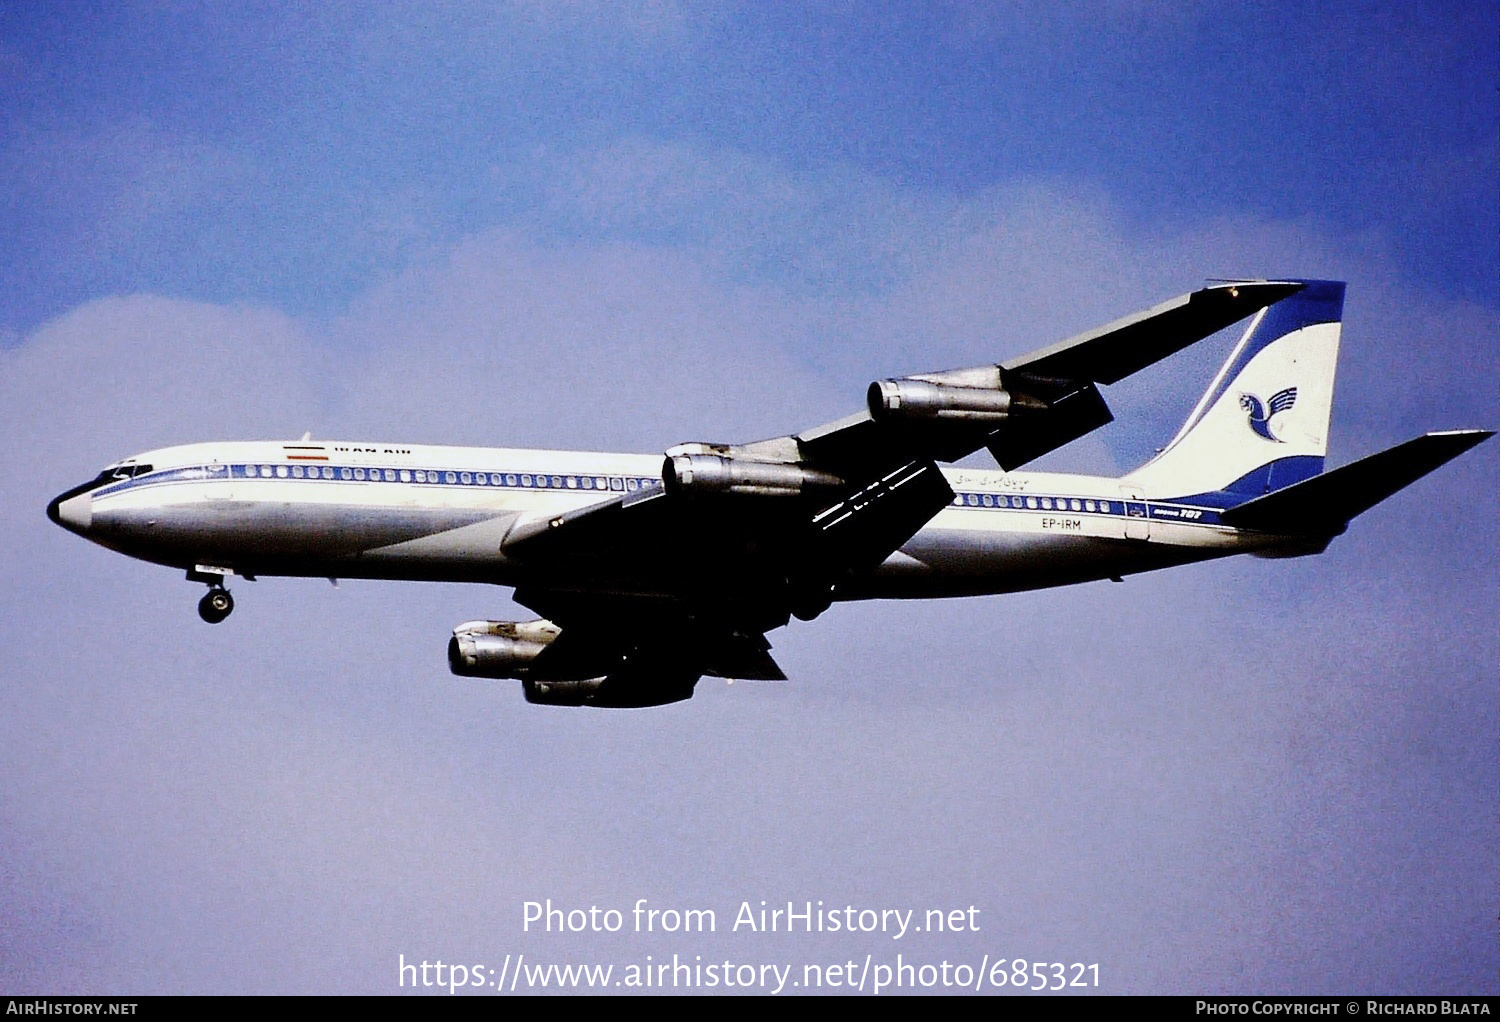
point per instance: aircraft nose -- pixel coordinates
(73, 511)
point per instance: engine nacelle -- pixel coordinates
(498, 649)
(918, 399)
(561, 693)
(696, 474)
(608, 694)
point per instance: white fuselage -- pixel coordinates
(443, 513)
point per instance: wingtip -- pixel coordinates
(1250, 294)
(1254, 283)
(1447, 443)
(1471, 436)
(1269, 291)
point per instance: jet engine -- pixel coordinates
(697, 474)
(918, 399)
(506, 649)
(498, 649)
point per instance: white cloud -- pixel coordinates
(1166, 775)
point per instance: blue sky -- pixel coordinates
(295, 158)
(621, 226)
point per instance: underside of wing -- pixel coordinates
(739, 562)
(1024, 407)
(653, 589)
(620, 651)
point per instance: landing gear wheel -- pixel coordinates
(215, 605)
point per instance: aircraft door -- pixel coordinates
(1137, 516)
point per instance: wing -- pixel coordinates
(1024, 407)
(699, 578)
(685, 578)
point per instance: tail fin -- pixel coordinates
(1263, 424)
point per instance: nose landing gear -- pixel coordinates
(216, 605)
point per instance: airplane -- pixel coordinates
(652, 571)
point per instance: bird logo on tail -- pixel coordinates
(1260, 415)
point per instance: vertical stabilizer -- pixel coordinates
(1263, 424)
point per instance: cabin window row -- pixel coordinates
(1034, 503)
(524, 480)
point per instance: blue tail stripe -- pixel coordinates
(1256, 483)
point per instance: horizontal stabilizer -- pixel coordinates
(1324, 504)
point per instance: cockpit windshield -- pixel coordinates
(116, 473)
